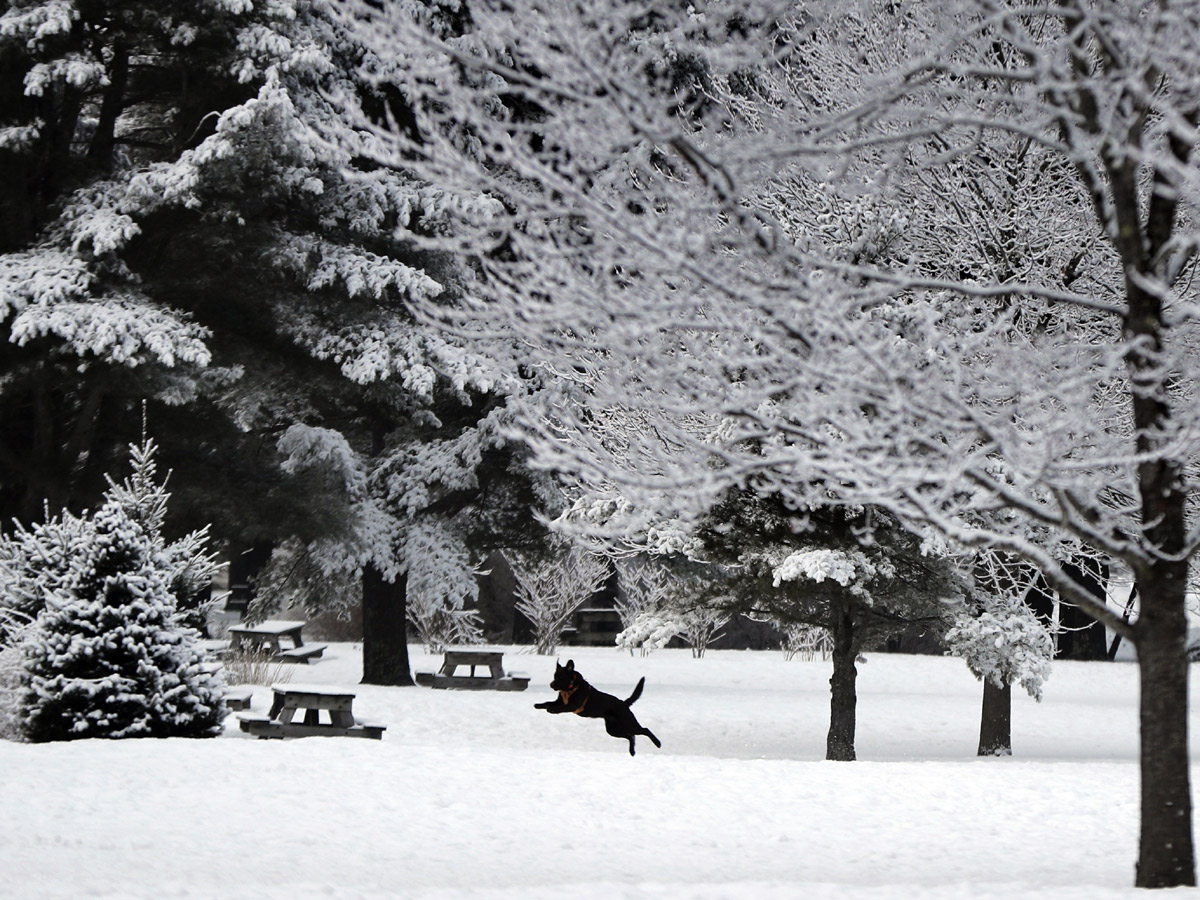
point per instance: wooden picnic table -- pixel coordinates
(492, 660)
(309, 702)
(268, 637)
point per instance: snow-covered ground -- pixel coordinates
(478, 796)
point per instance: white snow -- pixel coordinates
(478, 796)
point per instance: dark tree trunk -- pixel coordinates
(104, 139)
(843, 697)
(1165, 852)
(385, 630)
(1082, 637)
(1166, 855)
(1040, 599)
(63, 118)
(46, 484)
(244, 566)
(995, 722)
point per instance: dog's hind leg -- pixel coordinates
(622, 726)
(650, 734)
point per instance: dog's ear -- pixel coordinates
(570, 666)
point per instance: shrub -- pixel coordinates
(255, 667)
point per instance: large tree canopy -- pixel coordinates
(934, 258)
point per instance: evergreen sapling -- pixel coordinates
(108, 654)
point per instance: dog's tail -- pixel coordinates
(637, 692)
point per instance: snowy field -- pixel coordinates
(477, 796)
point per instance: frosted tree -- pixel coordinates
(804, 640)
(439, 591)
(77, 328)
(13, 628)
(660, 601)
(936, 259)
(852, 571)
(418, 514)
(644, 585)
(700, 625)
(650, 630)
(552, 588)
(188, 565)
(36, 556)
(1003, 643)
(1003, 638)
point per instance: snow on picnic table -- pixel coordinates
(474, 795)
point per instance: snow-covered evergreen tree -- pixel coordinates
(109, 654)
(35, 559)
(210, 232)
(188, 565)
(13, 628)
(854, 571)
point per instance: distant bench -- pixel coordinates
(492, 660)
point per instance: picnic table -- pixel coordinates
(491, 660)
(267, 637)
(309, 702)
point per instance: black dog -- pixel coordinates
(577, 696)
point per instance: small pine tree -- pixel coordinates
(188, 566)
(108, 654)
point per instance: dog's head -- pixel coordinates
(565, 677)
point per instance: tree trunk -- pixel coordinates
(1166, 856)
(111, 107)
(1082, 637)
(843, 698)
(1165, 850)
(385, 631)
(995, 722)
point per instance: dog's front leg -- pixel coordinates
(552, 706)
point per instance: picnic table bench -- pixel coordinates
(492, 660)
(267, 637)
(238, 697)
(290, 699)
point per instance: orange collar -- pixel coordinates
(566, 697)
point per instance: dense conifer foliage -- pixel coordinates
(109, 652)
(188, 218)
